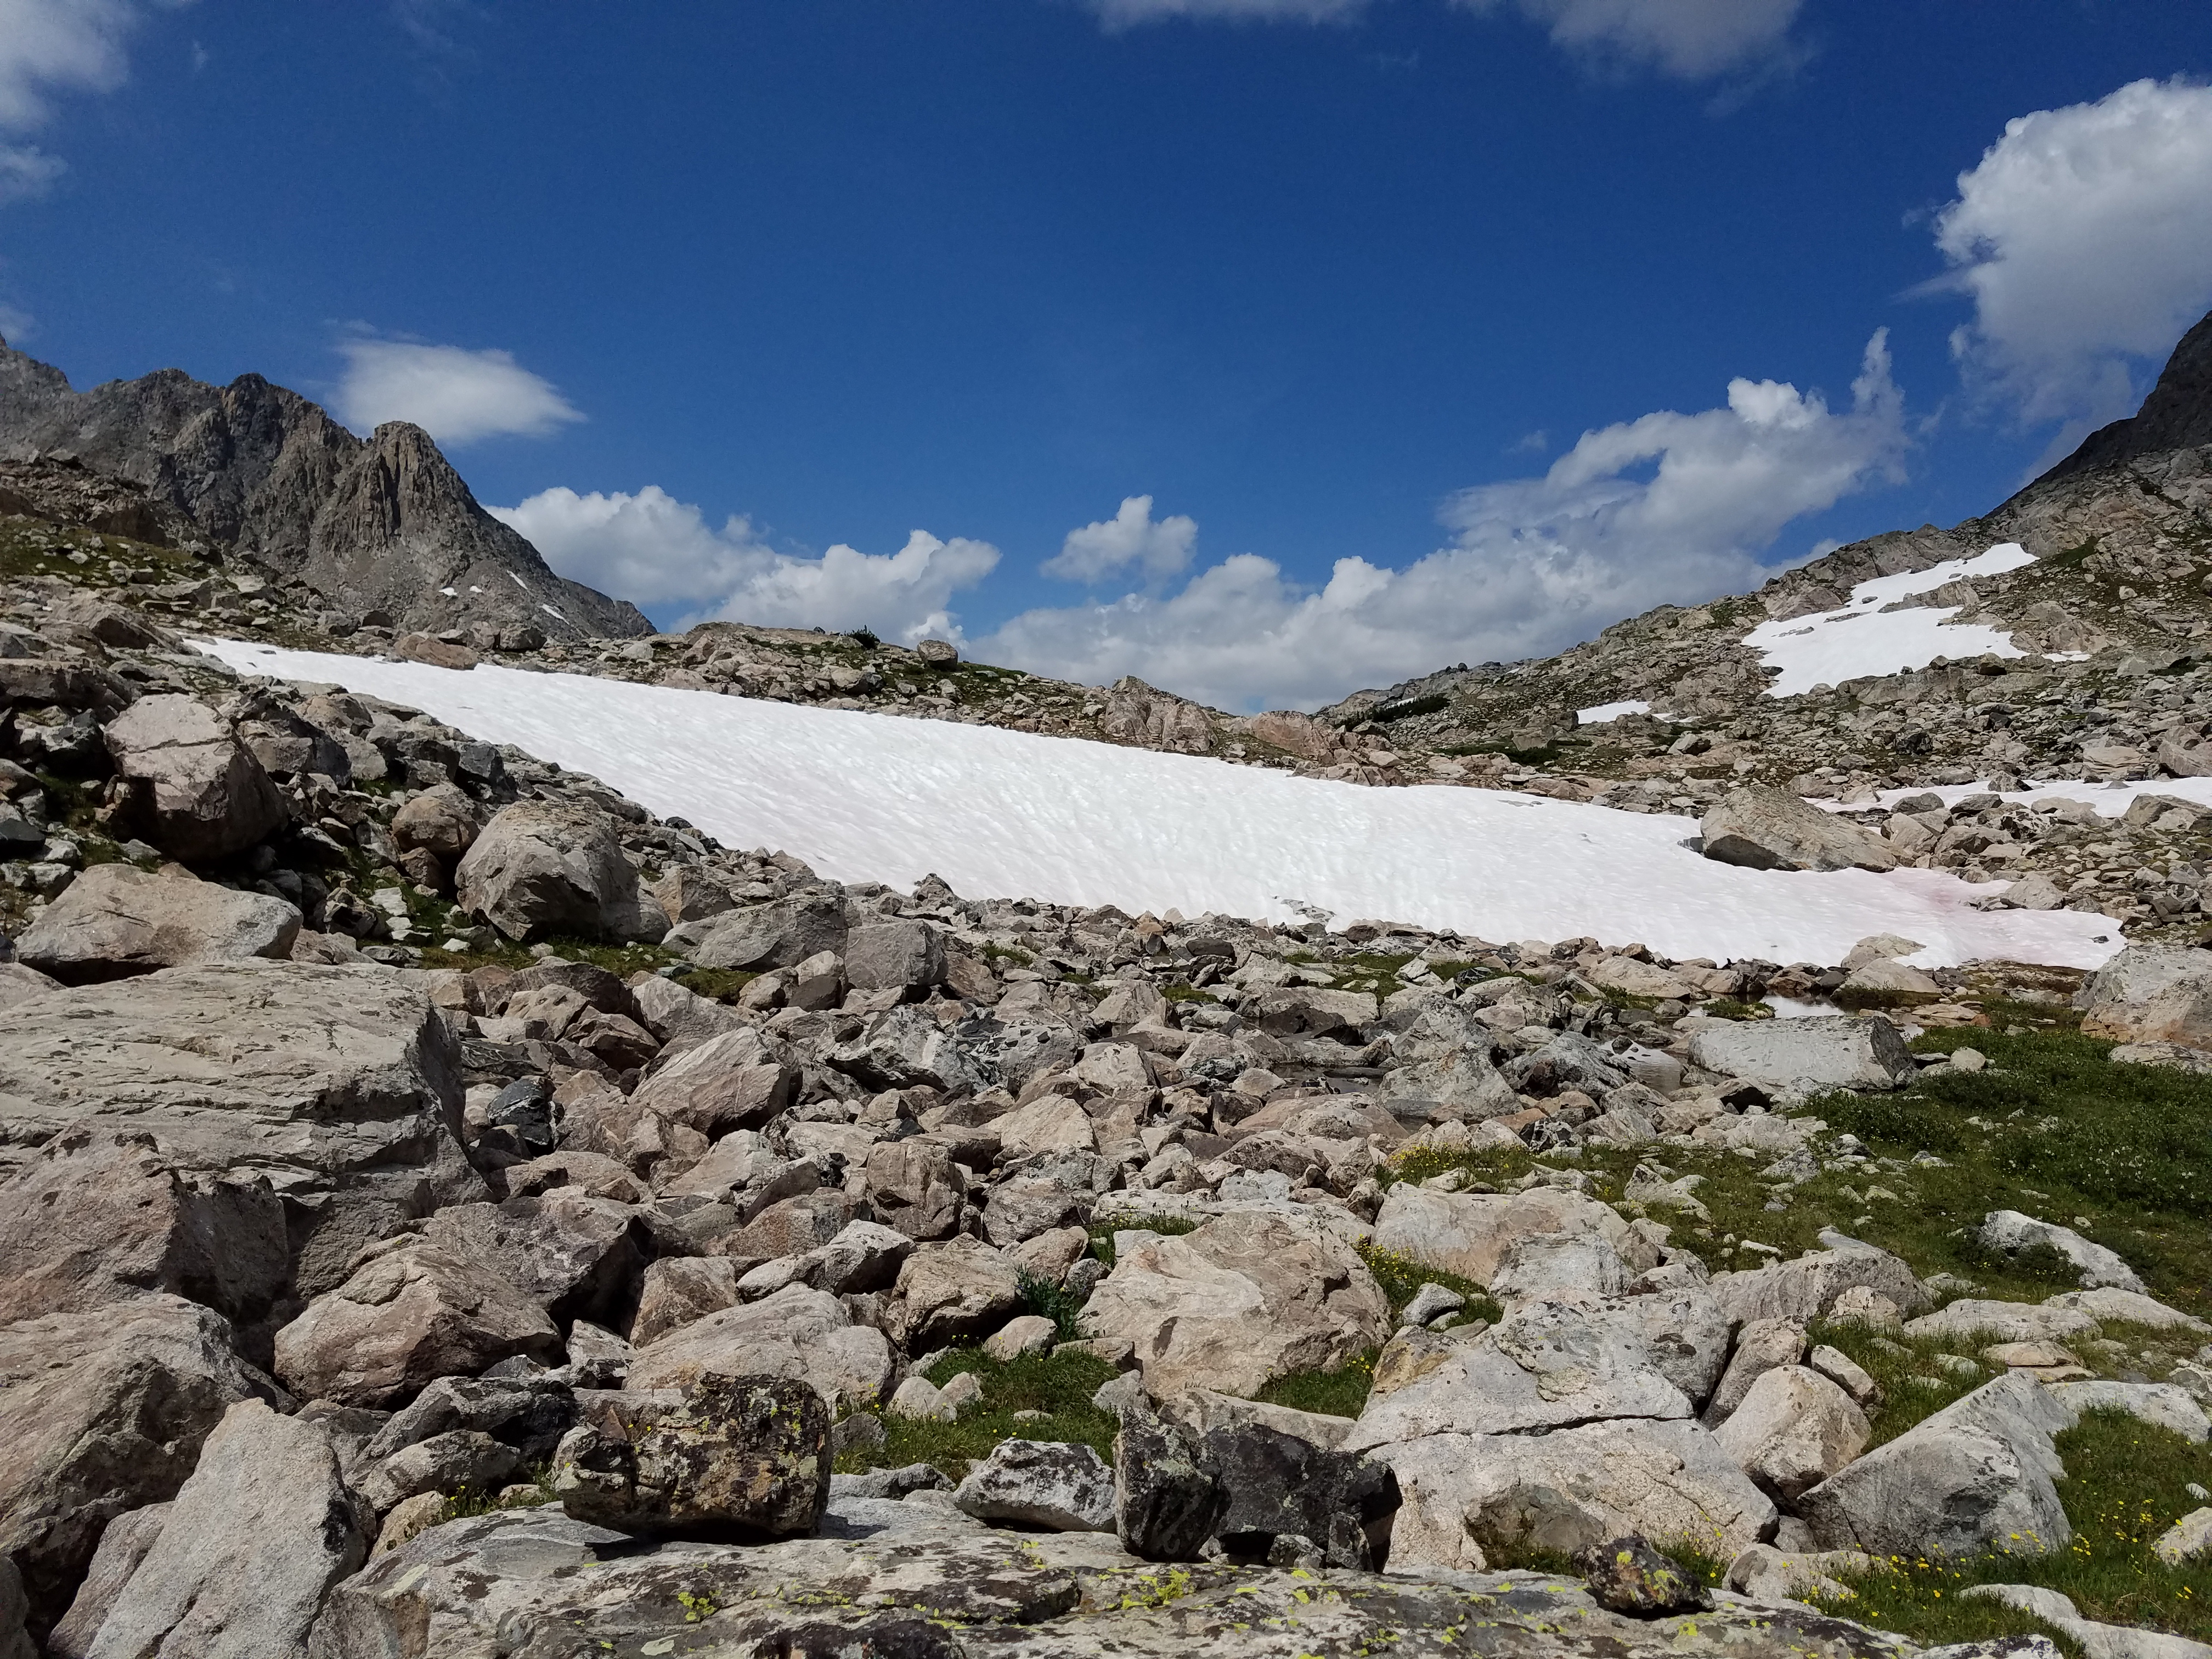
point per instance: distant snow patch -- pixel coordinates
(1830, 647)
(866, 797)
(1606, 713)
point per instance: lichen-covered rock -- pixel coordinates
(1059, 1486)
(737, 1457)
(2151, 993)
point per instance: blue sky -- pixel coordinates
(870, 311)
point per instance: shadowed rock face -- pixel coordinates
(2177, 414)
(383, 523)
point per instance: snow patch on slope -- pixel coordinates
(1007, 814)
(1830, 647)
(1606, 713)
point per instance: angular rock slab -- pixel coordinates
(1805, 1056)
(1057, 1485)
(342, 1085)
(259, 1535)
(1977, 1475)
(1239, 1302)
(531, 1581)
(798, 1333)
(1763, 828)
(1569, 1490)
(1473, 1234)
(115, 921)
(738, 1458)
(2151, 993)
(199, 791)
(410, 1313)
(105, 1413)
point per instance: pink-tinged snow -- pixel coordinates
(1005, 814)
(1830, 647)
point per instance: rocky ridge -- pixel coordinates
(377, 528)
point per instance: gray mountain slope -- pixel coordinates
(381, 524)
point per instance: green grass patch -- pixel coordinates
(1059, 1385)
(2126, 1482)
(1167, 1226)
(1341, 1393)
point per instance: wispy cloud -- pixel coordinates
(456, 395)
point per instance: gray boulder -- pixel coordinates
(577, 1256)
(344, 1082)
(197, 791)
(530, 1414)
(15, 1610)
(906, 1047)
(97, 1219)
(762, 936)
(1760, 1345)
(2151, 993)
(1765, 829)
(1061, 1486)
(257, 1537)
(798, 1332)
(736, 1080)
(2010, 1231)
(1805, 1289)
(544, 867)
(1805, 1056)
(1792, 1431)
(736, 1458)
(459, 1461)
(409, 1314)
(106, 1412)
(1976, 1476)
(1243, 1299)
(1462, 1495)
(894, 955)
(1472, 1234)
(113, 922)
(951, 1291)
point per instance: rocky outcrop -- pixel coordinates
(540, 868)
(343, 1082)
(196, 791)
(381, 525)
(2151, 993)
(1765, 829)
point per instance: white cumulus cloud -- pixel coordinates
(660, 552)
(1690, 39)
(2084, 237)
(454, 394)
(1534, 565)
(1130, 536)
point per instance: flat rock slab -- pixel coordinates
(531, 1581)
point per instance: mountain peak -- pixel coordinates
(2177, 414)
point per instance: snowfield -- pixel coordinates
(865, 797)
(1828, 647)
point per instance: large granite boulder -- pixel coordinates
(541, 868)
(1242, 1300)
(259, 1535)
(105, 1413)
(798, 1332)
(340, 1085)
(2151, 993)
(113, 922)
(1764, 828)
(1805, 1056)
(763, 936)
(1470, 1234)
(1977, 1476)
(196, 791)
(410, 1313)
